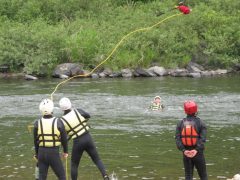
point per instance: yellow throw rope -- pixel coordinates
(114, 49)
(66, 168)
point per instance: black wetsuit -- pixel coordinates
(199, 160)
(49, 156)
(81, 144)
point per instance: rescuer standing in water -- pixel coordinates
(49, 135)
(190, 138)
(75, 122)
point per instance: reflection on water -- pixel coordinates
(133, 142)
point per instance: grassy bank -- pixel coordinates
(35, 36)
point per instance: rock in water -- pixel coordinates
(127, 73)
(30, 77)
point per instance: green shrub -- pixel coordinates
(35, 36)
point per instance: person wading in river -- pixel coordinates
(49, 134)
(156, 104)
(75, 122)
(190, 139)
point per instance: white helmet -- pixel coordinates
(65, 104)
(46, 106)
(157, 97)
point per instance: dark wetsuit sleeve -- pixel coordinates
(63, 135)
(202, 136)
(35, 136)
(179, 143)
(84, 114)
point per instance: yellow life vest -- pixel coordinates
(75, 124)
(48, 133)
(155, 106)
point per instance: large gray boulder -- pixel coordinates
(106, 72)
(179, 73)
(195, 75)
(141, 73)
(152, 74)
(206, 73)
(221, 71)
(68, 69)
(159, 71)
(127, 73)
(94, 75)
(115, 75)
(237, 67)
(194, 67)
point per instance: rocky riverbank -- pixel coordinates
(67, 70)
(193, 70)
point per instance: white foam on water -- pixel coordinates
(11, 142)
(138, 167)
(147, 177)
(210, 164)
(9, 176)
(113, 176)
(221, 177)
(123, 170)
(134, 156)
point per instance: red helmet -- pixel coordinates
(190, 107)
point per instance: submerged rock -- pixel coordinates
(30, 77)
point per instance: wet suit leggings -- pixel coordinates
(49, 156)
(199, 162)
(81, 144)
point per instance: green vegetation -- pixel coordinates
(36, 35)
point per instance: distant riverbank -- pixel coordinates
(66, 70)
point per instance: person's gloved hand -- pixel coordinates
(65, 155)
(35, 157)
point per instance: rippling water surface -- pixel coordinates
(133, 142)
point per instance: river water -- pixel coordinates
(132, 141)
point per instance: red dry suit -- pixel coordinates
(183, 9)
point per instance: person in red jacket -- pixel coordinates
(190, 139)
(183, 8)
